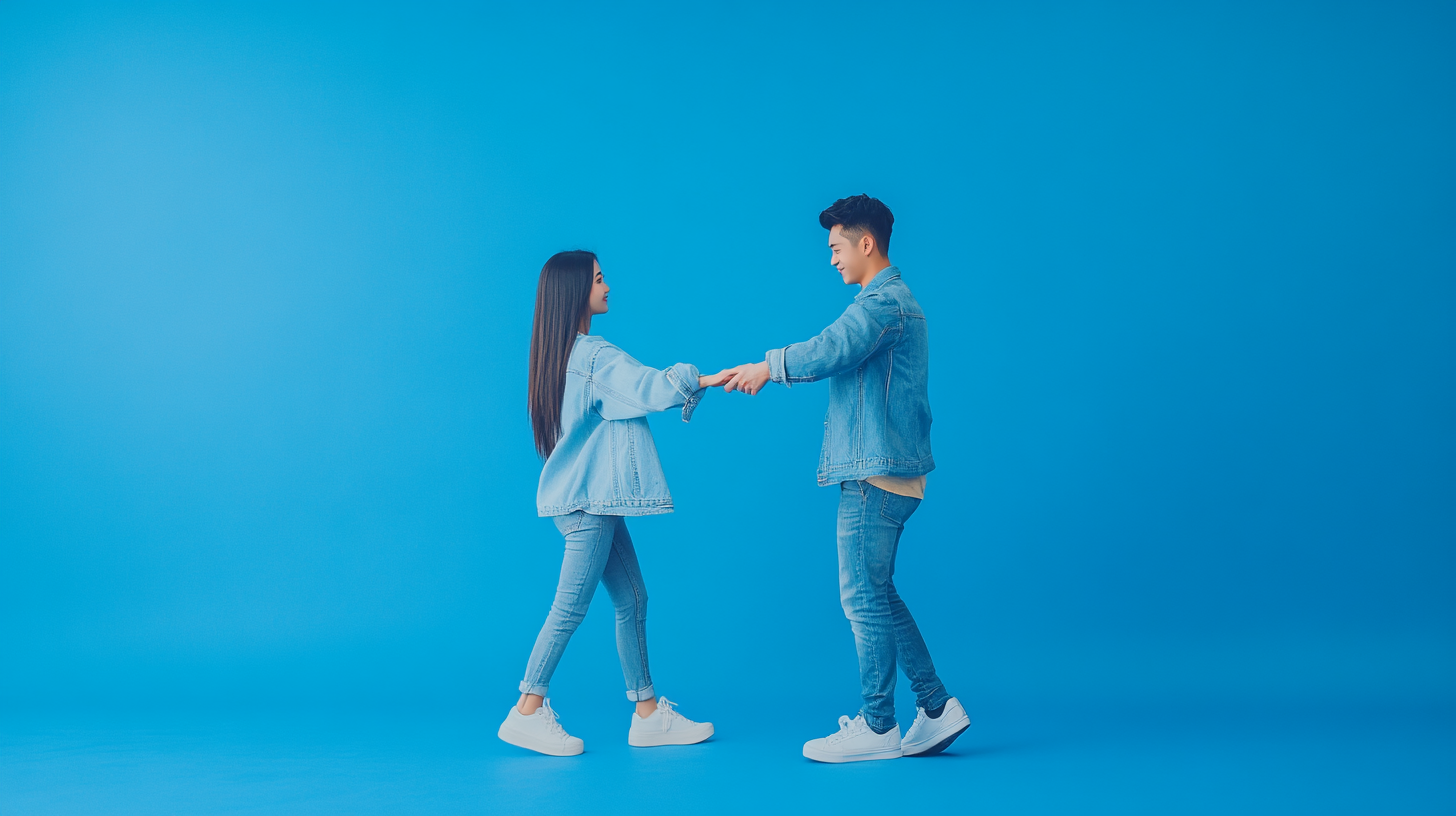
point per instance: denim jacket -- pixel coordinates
(877, 359)
(605, 462)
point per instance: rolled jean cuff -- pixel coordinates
(539, 691)
(877, 724)
(935, 699)
(641, 694)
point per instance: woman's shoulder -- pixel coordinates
(597, 350)
(589, 352)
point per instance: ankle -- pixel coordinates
(528, 704)
(646, 707)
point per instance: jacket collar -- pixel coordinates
(882, 277)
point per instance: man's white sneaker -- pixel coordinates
(855, 742)
(666, 727)
(927, 736)
(539, 732)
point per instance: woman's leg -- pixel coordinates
(588, 543)
(623, 579)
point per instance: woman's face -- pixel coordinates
(598, 303)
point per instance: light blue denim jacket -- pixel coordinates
(605, 462)
(877, 359)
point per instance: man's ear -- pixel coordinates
(867, 244)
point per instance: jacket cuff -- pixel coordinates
(776, 373)
(692, 404)
(684, 377)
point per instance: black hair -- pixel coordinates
(859, 214)
(562, 296)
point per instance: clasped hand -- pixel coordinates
(748, 378)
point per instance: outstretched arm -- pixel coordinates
(623, 388)
(847, 342)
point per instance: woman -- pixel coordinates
(588, 401)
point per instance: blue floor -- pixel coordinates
(1014, 760)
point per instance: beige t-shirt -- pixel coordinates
(914, 487)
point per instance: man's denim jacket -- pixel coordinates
(877, 359)
(605, 462)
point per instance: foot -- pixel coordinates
(539, 732)
(855, 742)
(927, 737)
(666, 727)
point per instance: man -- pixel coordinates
(877, 449)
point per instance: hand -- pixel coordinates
(748, 378)
(715, 380)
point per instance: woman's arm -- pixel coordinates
(623, 388)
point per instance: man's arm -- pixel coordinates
(855, 337)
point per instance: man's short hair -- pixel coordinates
(859, 214)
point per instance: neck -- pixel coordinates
(585, 326)
(877, 266)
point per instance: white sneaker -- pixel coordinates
(666, 727)
(927, 736)
(539, 732)
(855, 742)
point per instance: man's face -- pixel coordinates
(847, 254)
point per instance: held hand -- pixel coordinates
(715, 380)
(748, 378)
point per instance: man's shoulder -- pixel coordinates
(893, 295)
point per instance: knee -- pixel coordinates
(860, 600)
(634, 605)
(567, 616)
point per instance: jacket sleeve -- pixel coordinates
(864, 329)
(623, 388)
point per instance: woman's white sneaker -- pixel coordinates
(927, 736)
(540, 732)
(854, 742)
(666, 727)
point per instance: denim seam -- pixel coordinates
(862, 563)
(533, 675)
(638, 618)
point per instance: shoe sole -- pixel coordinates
(825, 756)
(942, 744)
(689, 737)
(520, 740)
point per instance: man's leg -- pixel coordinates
(944, 719)
(866, 564)
(910, 647)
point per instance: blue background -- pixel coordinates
(266, 281)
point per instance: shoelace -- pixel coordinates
(551, 723)
(665, 706)
(848, 728)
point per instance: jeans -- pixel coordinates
(598, 549)
(870, 523)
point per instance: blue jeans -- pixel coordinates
(870, 523)
(598, 549)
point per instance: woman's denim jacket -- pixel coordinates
(605, 462)
(877, 359)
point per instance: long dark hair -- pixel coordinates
(562, 296)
